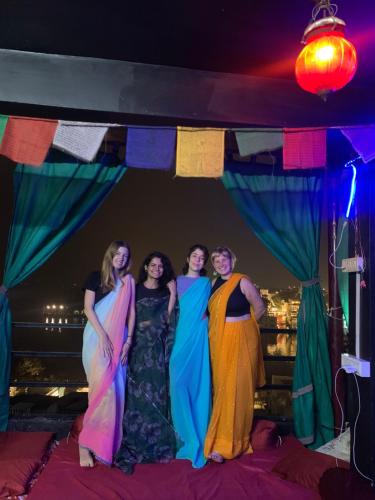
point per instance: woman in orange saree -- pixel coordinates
(109, 307)
(237, 364)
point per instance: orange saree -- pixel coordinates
(237, 369)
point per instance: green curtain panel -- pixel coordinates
(284, 212)
(343, 278)
(51, 203)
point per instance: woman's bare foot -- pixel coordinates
(85, 457)
(216, 457)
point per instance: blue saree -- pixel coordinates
(190, 380)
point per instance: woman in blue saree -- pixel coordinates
(190, 384)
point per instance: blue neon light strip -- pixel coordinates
(352, 189)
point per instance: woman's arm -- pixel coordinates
(131, 325)
(172, 296)
(105, 342)
(253, 297)
(131, 315)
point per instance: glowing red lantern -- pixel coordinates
(328, 61)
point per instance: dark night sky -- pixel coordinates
(151, 210)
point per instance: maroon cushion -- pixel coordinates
(343, 484)
(21, 454)
(306, 467)
(264, 435)
(76, 427)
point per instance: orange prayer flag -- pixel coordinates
(200, 152)
(27, 140)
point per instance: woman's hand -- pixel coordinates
(124, 352)
(172, 287)
(106, 346)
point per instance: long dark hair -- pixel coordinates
(168, 272)
(204, 249)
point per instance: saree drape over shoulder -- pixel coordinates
(237, 369)
(190, 373)
(102, 425)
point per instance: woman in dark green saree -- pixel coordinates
(148, 434)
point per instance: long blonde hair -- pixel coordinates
(107, 276)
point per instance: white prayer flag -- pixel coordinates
(80, 139)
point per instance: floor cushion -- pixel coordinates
(21, 455)
(306, 467)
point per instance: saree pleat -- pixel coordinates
(102, 425)
(190, 383)
(237, 369)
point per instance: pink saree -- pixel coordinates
(102, 424)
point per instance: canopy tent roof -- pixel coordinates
(168, 63)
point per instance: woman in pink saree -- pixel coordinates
(109, 307)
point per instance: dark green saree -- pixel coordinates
(148, 435)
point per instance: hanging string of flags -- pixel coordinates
(196, 152)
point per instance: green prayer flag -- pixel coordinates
(3, 124)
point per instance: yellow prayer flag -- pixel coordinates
(200, 152)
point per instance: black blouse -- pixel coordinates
(238, 304)
(93, 283)
(142, 292)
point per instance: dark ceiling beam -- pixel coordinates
(72, 87)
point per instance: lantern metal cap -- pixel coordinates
(329, 23)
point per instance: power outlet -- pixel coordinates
(352, 364)
(352, 265)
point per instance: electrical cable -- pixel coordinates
(341, 408)
(355, 422)
(350, 163)
(354, 433)
(329, 313)
(336, 247)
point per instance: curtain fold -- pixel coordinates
(284, 212)
(51, 204)
(342, 244)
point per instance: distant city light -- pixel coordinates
(61, 314)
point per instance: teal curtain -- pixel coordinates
(342, 245)
(51, 203)
(284, 212)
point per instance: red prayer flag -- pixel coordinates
(304, 148)
(27, 140)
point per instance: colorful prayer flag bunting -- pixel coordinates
(3, 124)
(304, 148)
(362, 140)
(27, 140)
(200, 152)
(80, 139)
(251, 141)
(150, 147)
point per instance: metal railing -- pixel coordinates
(78, 354)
